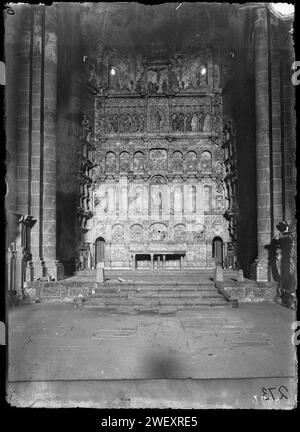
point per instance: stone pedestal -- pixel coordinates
(100, 273)
(240, 276)
(218, 277)
(259, 271)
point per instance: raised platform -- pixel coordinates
(144, 290)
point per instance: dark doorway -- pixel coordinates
(100, 250)
(217, 250)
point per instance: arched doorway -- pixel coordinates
(100, 250)
(217, 250)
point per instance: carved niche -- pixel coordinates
(191, 161)
(136, 233)
(138, 161)
(158, 232)
(110, 162)
(124, 161)
(117, 233)
(180, 233)
(177, 161)
(158, 160)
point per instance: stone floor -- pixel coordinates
(54, 342)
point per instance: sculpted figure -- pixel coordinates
(135, 123)
(108, 124)
(174, 122)
(141, 123)
(194, 123)
(188, 123)
(181, 122)
(128, 123)
(115, 123)
(121, 123)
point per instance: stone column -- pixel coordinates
(24, 114)
(262, 143)
(49, 141)
(164, 262)
(152, 262)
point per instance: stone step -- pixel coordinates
(157, 286)
(157, 307)
(156, 298)
(154, 302)
(155, 293)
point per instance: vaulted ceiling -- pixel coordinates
(168, 26)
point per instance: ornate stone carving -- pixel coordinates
(158, 160)
(191, 161)
(117, 234)
(138, 161)
(180, 233)
(136, 233)
(124, 162)
(110, 162)
(158, 232)
(177, 161)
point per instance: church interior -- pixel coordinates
(150, 189)
(148, 137)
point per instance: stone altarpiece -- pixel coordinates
(158, 195)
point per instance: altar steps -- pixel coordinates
(151, 296)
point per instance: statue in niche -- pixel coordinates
(188, 123)
(108, 124)
(152, 87)
(131, 86)
(124, 162)
(206, 161)
(177, 161)
(138, 161)
(135, 123)
(207, 123)
(103, 202)
(219, 168)
(158, 232)
(118, 234)
(138, 85)
(136, 233)
(174, 122)
(115, 123)
(226, 134)
(164, 86)
(180, 233)
(128, 123)
(173, 83)
(122, 123)
(138, 201)
(191, 161)
(141, 123)
(219, 202)
(194, 123)
(201, 121)
(110, 165)
(103, 124)
(202, 77)
(156, 200)
(181, 122)
(158, 120)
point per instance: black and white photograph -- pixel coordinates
(150, 213)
